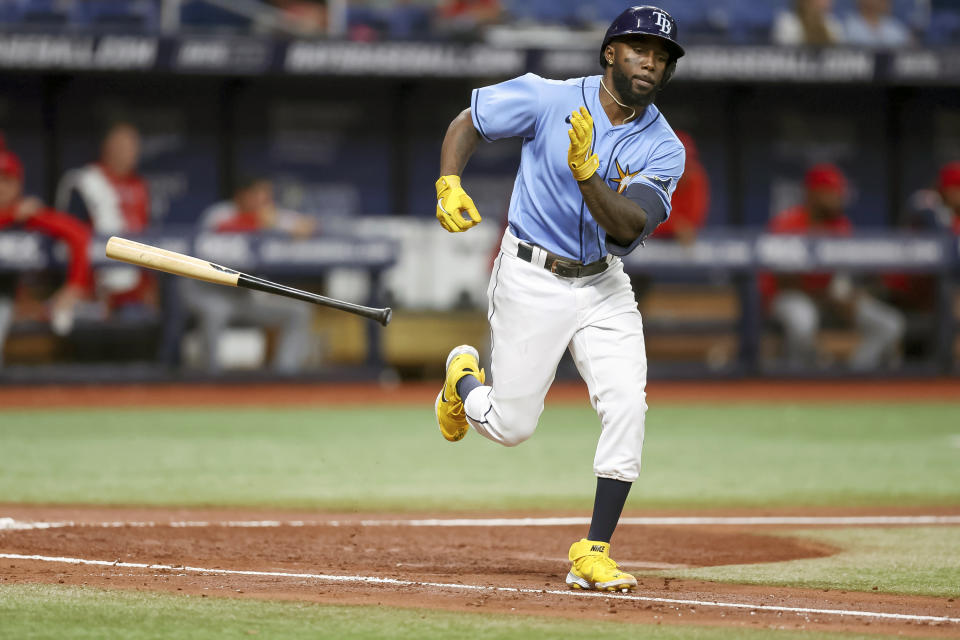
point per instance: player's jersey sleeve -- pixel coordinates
(653, 189)
(507, 109)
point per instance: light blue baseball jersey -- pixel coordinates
(546, 207)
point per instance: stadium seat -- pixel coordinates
(127, 15)
(553, 11)
(750, 22)
(9, 13)
(200, 14)
(545, 11)
(408, 22)
(944, 27)
(366, 17)
(45, 13)
(698, 18)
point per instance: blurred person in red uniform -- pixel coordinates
(252, 210)
(467, 16)
(309, 16)
(28, 213)
(690, 201)
(114, 198)
(798, 301)
(950, 193)
(688, 212)
(938, 209)
(932, 210)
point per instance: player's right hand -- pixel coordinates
(452, 203)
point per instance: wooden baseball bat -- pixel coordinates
(144, 255)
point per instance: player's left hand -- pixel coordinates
(582, 163)
(455, 209)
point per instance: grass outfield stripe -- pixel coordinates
(469, 587)
(9, 524)
(843, 456)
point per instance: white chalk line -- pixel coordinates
(10, 524)
(473, 587)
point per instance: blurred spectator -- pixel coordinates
(937, 209)
(408, 20)
(949, 185)
(309, 16)
(252, 210)
(872, 25)
(689, 205)
(930, 210)
(30, 214)
(368, 21)
(467, 16)
(809, 23)
(799, 301)
(690, 201)
(113, 198)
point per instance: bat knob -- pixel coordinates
(385, 316)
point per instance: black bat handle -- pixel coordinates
(383, 316)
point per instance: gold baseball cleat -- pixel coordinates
(594, 569)
(451, 417)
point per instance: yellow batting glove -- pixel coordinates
(452, 203)
(582, 164)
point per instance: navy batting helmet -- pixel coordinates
(647, 21)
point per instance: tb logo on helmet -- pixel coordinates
(663, 21)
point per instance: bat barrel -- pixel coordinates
(144, 255)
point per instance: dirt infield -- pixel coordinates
(383, 559)
(289, 395)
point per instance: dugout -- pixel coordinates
(351, 133)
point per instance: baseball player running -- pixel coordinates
(598, 167)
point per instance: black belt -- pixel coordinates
(561, 266)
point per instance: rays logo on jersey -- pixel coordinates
(626, 177)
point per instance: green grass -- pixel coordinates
(41, 611)
(392, 458)
(910, 560)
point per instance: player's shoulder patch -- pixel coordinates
(626, 177)
(664, 183)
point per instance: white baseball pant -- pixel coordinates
(534, 315)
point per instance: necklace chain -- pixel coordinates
(634, 111)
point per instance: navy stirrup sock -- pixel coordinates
(465, 385)
(607, 507)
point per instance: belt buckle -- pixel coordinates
(553, 266)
